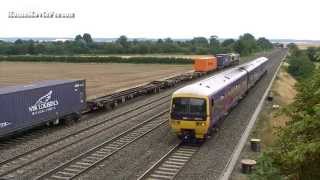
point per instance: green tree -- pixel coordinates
(311, 52)
(296, 153)
(18, 41)
(246, 44)
(266, 169)
(168, 40)
(123, 41)
(299, 142)
(293, 49)
(159, 41)
(31, 48)
(200, 41)
(300, 66)
(87, 38)
(214, 44)
(4, 47)
(78, 38)
(317, 55)
(228, 42)
(85, 44)
(264, 43)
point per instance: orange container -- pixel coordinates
(205, 64)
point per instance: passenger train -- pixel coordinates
(196, 108)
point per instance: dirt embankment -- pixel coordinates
(284, 92)
(101, 78)
(271, 118)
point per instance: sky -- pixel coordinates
(274, 19)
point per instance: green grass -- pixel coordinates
(123, 58)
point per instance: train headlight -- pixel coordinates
(175, 122)
(201, 123)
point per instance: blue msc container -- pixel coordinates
(25, 106)
(223, 60)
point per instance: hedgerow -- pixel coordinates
(97, 59)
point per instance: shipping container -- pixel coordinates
(205, 64)
(26, 106)
(224, 60)
(235, 58)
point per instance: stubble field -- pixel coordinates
(101, 78)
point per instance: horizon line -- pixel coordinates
(187, 38)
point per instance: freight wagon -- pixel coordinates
(235, 58)
(26, 106)
(225, 60)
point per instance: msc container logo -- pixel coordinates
(44, 104)
(4, 124)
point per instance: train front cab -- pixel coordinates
(189, 116)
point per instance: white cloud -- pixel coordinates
(166, 18)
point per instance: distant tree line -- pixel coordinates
(84, 44)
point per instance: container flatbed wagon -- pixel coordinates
(24, 107)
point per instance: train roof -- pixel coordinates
(212, 84)
(40, 84)
(249, 66)
(217, 82)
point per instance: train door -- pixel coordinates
(212, 112)
(219, 106)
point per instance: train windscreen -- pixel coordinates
(188, 109)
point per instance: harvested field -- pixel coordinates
(307, 45)
(101, 78)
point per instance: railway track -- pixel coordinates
(171, 163)
(13, 166)
(91, 158)
(23, 160)
(16, 163)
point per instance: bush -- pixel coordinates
(296, 152)
(300, 66)
(266, 169)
